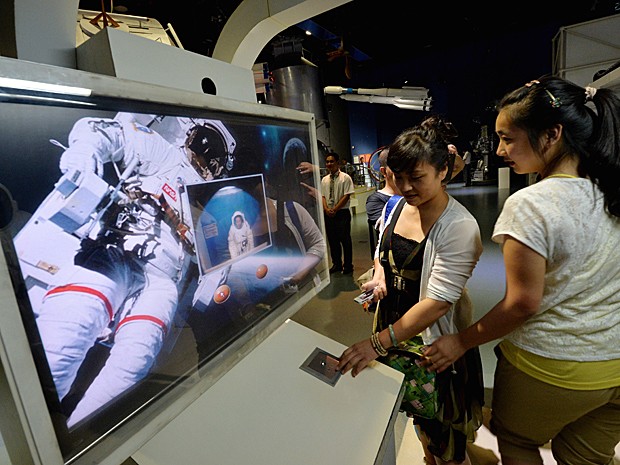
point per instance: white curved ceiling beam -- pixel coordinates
(255, 22)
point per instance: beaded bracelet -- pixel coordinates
(374, 343)
(393, 336)
(377, 346)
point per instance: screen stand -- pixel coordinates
(270, 410)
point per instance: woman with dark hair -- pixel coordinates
(558, 370)
(427, 250)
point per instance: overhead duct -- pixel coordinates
(407, 98)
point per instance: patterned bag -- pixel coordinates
(420, 397)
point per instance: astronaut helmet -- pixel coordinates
(207, 151)
(238, 219)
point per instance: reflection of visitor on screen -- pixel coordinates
(240, 237)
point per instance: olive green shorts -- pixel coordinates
(583, 426)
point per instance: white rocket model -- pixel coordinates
(407, 98)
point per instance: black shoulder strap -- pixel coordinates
(385, 253)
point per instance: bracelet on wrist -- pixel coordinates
(393, 336)
(377, 346)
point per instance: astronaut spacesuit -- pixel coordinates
(125, 278)
(240, 236)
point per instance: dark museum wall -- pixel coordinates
(464, 82)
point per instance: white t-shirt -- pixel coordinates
(563, 220)
(343, 184)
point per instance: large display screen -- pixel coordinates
(144, 239)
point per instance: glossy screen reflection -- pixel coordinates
(147, 238)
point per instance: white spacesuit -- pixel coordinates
(240, 236)
(126, 276)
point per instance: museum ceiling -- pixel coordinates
(359, 34)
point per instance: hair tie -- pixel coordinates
(590, 93)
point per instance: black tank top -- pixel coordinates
(402, 260)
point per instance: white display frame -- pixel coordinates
(26, 425)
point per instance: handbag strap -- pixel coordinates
(404, 346)
(375, 319)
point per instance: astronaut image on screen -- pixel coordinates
(260, 281)
(225, 214)
(123, 284)
(132, 282)
(240, 236)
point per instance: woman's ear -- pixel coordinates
(553, 134)
(443, 173)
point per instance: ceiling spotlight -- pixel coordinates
(308, 33)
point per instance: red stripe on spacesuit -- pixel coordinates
(150, 318)
(84, 290)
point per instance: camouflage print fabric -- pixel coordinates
(420, 397)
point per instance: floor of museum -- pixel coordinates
(334, 313)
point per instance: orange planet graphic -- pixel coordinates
(261, 271)
(221, 295)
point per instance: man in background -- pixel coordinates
(336, 189)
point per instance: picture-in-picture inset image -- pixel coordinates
(226, 215)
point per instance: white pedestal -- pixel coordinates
(362, 194)
(267, 411)
(503, 181)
